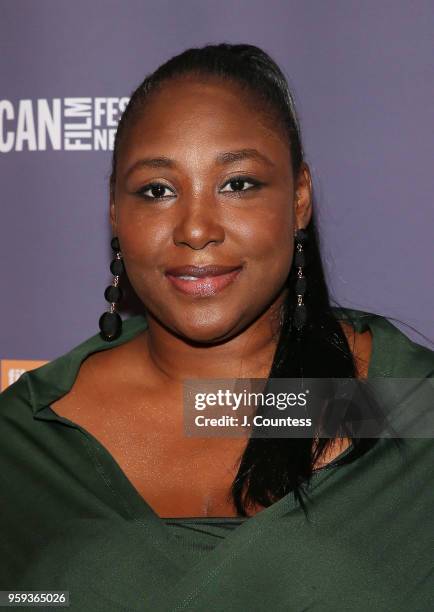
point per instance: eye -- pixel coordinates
(238, 183)
(155, 191)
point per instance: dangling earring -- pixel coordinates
(300, 311)
(110, 323)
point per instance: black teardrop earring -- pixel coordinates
(110, 323)
(300, 310)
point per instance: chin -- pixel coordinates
(207, 330)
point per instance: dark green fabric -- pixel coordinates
(198, 535)
(70, 518)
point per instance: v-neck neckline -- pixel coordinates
(141, 512)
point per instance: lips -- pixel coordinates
(201, 271)
(202, 280)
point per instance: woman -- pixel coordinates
(104, 496)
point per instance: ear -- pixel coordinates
(113, 219)
(303, 197)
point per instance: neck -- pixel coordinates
(248, 354)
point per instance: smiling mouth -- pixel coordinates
(207, 284)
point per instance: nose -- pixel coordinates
(199, 223)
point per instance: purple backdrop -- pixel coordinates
(362, 77)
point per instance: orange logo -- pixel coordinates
(11, 369)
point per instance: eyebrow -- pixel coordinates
(232, 156)
(228, 157)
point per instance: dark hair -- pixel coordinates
(270, 468)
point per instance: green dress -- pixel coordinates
(71, 519)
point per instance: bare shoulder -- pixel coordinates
(103, 375)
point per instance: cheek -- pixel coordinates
(142, 243)
(270, 244)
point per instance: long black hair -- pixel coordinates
(270, 468)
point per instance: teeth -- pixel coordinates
(189, 277)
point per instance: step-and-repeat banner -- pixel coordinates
(68, 124)
(361, 76)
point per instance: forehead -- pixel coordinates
(204, 113)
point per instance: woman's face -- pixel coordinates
(203, 179)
